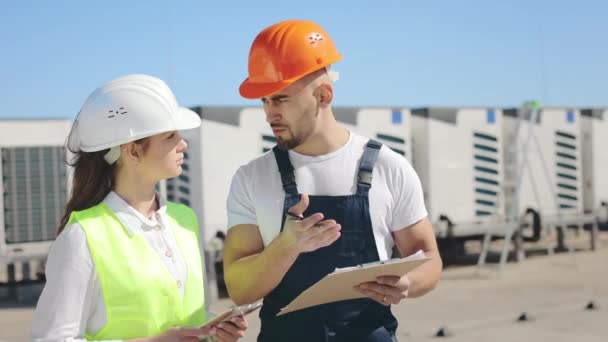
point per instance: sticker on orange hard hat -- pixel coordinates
(315, 38)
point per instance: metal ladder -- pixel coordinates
(515, 162)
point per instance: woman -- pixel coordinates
(126, 264)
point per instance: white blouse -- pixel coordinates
(71, 303)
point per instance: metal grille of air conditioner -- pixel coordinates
(35, 192)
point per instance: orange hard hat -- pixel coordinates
(285, 52)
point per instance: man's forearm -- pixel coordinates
(425, 277)
(253, 277)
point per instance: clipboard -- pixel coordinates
(339, 284)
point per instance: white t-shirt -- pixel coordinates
(395, 198)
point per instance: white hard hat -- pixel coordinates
(126, 109)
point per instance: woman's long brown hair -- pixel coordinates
(93, 179)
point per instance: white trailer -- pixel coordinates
(35, 184)
(458, 157)
(594, 130)
(551, 181)
(390, 126)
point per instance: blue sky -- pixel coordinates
(396, 52)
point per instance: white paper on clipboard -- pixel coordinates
(339, 284)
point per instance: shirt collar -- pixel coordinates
(133, 220)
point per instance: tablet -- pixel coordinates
(232, 312)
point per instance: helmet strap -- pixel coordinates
(112, 155)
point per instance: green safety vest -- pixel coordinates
(141, 297)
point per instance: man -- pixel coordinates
(364, 199)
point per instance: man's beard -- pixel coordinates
(295, 141)
(288, 144)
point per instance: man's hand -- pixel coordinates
(386, 290)
(311, 233)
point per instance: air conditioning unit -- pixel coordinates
(594, 131)
(35, 186)
(458, 157)
(551, 182)
(390, 126)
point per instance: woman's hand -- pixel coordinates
(231, 330)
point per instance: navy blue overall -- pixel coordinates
(352, 320)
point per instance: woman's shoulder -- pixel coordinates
(71, 235)
(70, 246)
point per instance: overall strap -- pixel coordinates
(366, 167)
(288, 178)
